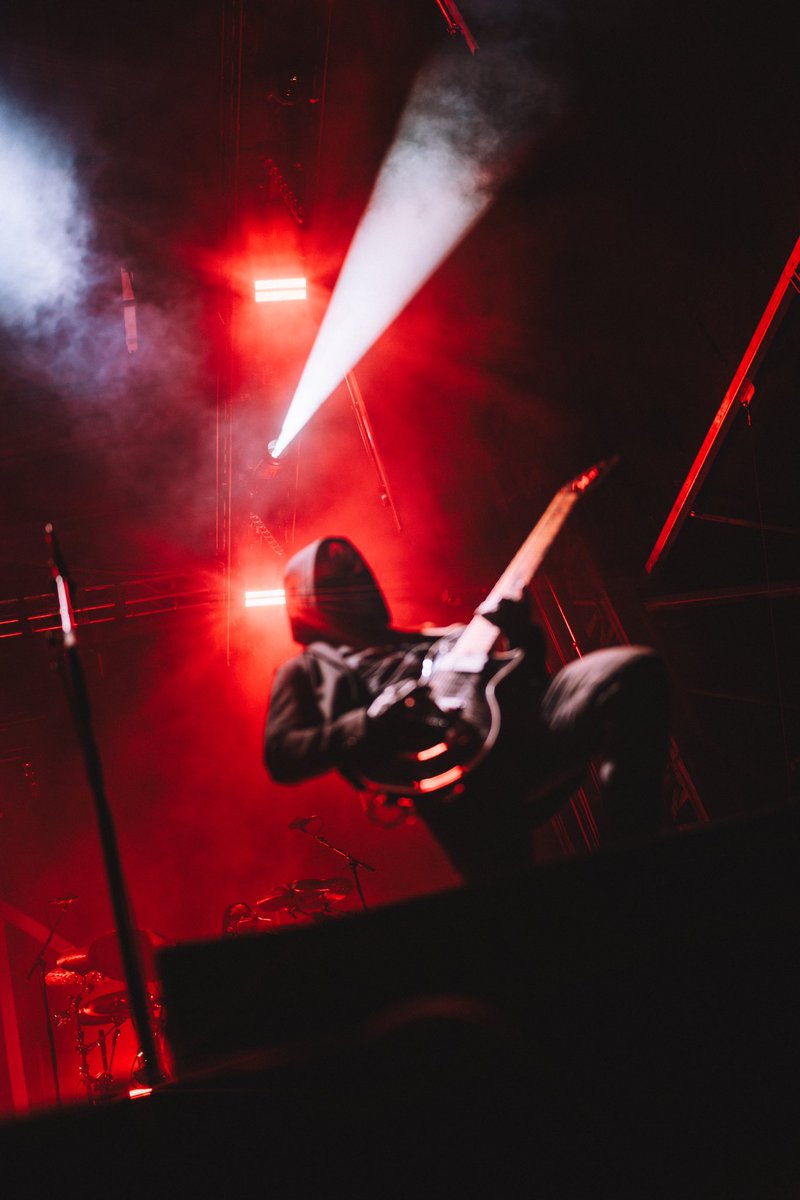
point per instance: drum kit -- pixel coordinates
(87, 992)
(312, 899)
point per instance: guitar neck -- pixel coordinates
(480, 635)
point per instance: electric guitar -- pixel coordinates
(456, 705)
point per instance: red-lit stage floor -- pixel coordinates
(625, 1023)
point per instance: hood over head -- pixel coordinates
(332, 595)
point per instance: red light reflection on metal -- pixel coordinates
(432, 752)
(741, 389)
(440, 781)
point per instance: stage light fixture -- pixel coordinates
(276, 290)
(264, 598)
(129, 311)
(464, 127)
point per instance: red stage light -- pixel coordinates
(271, 290)
(265, 598)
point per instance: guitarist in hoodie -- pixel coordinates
(357, 699)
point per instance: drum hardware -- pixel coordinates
(74, 988)
(107, 1014)
(70, 983)
(76, 961)
(306, 897)
(83, 1010)
(40, 966)
(114, 1006)
(239, 919)
(313, 898)
(98, 1087)
(302, 824)
(76, 978)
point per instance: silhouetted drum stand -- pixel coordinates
(302, 823)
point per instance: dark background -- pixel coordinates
(601, 307)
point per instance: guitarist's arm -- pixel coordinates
(302, 741)
(307, 736)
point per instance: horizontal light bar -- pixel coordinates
(264, 598)
(279, 289)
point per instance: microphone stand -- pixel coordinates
(78, 699)
(352, 862)
(42, 967)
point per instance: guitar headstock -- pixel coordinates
(582, 483)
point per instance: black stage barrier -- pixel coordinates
(625, 1023)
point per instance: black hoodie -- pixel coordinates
(317, 712)
(333, 596)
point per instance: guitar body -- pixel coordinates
(455, 717)
(468, 695)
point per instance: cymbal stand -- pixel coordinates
(352, 862)
(100, 1084)
(40, 965)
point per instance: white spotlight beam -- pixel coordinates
(459, 136)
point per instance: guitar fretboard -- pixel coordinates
(480, 635)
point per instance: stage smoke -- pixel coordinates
(468, 120)
(44, 228)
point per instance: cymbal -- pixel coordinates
(111, 1009)
(330, 888)
(337, 889)
(65, 981)
(74, 960)
(282, 899)
(305, 895)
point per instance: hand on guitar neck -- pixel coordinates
(514, 620)
(443, 716)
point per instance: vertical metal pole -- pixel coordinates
(368, 438)
(78, 698)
